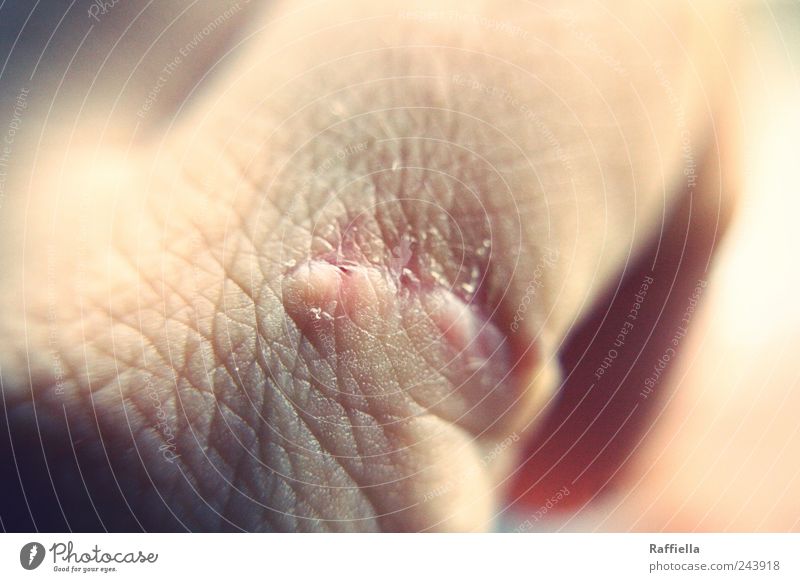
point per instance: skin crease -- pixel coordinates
(169, 339)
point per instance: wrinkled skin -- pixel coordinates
(295, 308)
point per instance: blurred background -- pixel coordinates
(728, 455)
(722, 452)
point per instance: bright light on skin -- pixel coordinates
(723, 457)
(750, 301)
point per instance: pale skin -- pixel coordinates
(299, 306)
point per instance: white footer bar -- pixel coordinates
(389, 557)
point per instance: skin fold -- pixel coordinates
(328, 290)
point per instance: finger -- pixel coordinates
(373, 137)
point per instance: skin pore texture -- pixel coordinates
(325, 294)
